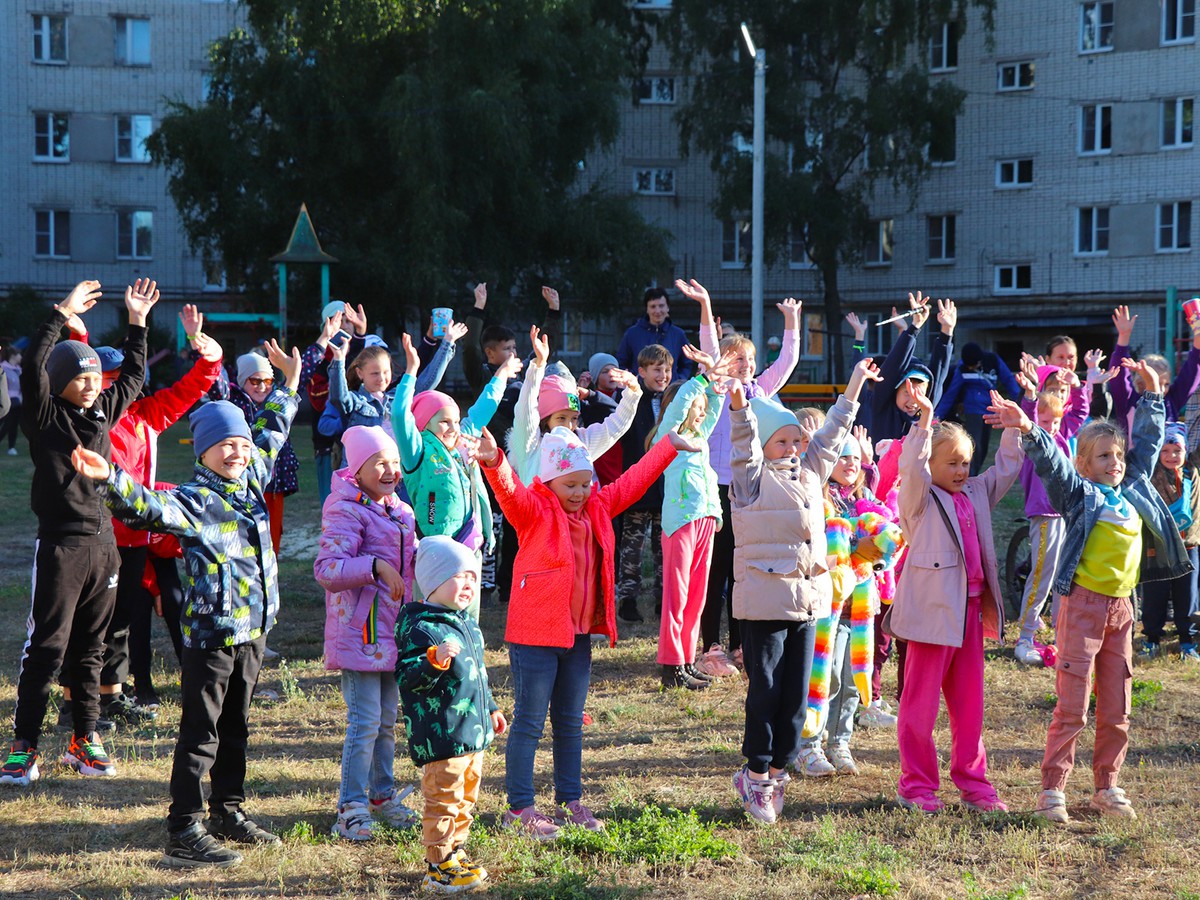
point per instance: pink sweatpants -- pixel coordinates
(931, 670)
(1095, 634)
(686, 557)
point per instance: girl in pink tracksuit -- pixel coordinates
(947, 601)
(365, 564)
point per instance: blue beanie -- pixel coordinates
(215, 421)
(598, 362)
(1175, 433)
(110, 358)
(771, 416)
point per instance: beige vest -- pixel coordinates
(779, 565)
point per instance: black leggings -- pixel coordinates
(720, 583)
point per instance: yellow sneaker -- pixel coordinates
(450, 877)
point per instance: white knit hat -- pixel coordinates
(562, 453)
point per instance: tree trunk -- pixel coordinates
(833, 320)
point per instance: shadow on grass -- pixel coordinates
(568, 887)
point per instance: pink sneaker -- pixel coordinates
(714, 662)
(927, 803)
(758, 797)
(575, 813)
(985, 804)
(533, 823)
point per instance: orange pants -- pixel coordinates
(1095, 636)
(451, 789)
(275, 512)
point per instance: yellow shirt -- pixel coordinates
(1111, 559)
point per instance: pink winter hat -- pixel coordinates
(1044, 372)
(362, 442)
(561, 454)
(427, 404)
(556, 394)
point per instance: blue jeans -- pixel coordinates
(371, 701)
(553, 679)
(838, 725)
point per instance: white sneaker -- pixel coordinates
(843, 762)
(1052, 806)
(12, 451)
(876, 716)
(813, 764)
(1027, 654)
(1113, 802)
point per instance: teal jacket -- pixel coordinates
(690, 483)
(447, 713)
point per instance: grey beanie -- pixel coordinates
(250, 364)
(597, 363)
(440, 558)
(68, 360)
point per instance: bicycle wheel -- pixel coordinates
(1017, 563)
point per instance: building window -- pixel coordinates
(1091, 232)
(656, 182)
(812, 342)
(1177, 122)
(52, 233)
(1096, 26)
(50, 39)
(943, 148)
(132, 132)
(1175, 226)
(798, 257)
(659, 90)
(1179, 21)
(879, 243)
(51, 137)
(1014, 76)
(135, 231)
(1013, 173)
(1014, 278)
(737, 244)
(940, 230)
(131, 41)
(943, 48)
(1095, 129)
(214, 274)
(879, 338)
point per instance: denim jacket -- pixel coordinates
(1080, 502)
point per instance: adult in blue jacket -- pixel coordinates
(655, 328)
(979, 373)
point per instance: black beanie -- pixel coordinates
(68, 360)
(972, 354)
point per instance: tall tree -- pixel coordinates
(436, 142)
(850, 108)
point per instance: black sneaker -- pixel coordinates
(66, 721)
(123, 708)
(677, 676)
(196, 847)
(629, 612)
(696, 673)
(241, 829)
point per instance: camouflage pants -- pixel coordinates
(639, 525)
(490, 560)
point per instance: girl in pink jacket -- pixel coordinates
(365, 564)
(947, 601)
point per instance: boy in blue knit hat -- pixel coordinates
(220, 518)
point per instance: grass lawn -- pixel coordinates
(648, 753)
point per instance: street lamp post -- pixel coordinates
(756, 206)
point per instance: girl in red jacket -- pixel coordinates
(562, 594)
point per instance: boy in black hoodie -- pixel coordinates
(76, 561)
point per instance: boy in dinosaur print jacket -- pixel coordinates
(449, 713)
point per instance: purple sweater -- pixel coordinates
(1036, 501)
(767, 384)
(1175, 397)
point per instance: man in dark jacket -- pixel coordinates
(655, 327)
(979, 373)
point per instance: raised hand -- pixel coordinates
(550, 295)
(510, 368)
(947, 316)
(864, 442)
(625, 380)
(288, 365)
(330, 327)
(481, 295)
(468, 448)
(682, 444)
(192, 319)
(541, 347)
(412, 359)
(1149, 375)
(584, 380)
(694, 290)
(209, 349)
(864, 370)
(920, 303)
(390, 577)
(1102, 376)
(791, 313)
(455, 331)
(1025, 384)
(486, 451)
(923, 403)
(859, 326)
(699, 357)
(339, 351)
(1068, 377)
(139, 298)
(89, 464)
(356, 318)
(1124, 324)
(808, 427)
(82, 298)
(899, 324)
(737, 394)
(1093, 358)
(1007, 414)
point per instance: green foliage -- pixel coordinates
(653, 837)
(855, 863)
(977, 891)
(1144, 693)
(304, 833)
(21, 312)
(844, 80)
(288, 683)
(435, 144)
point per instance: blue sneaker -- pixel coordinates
(1188, 653)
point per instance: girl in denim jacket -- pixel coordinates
(1108, 503)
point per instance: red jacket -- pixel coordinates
(135, 435)
(539, 608)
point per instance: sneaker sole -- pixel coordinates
(1128, 815)
(28, 778)
(433, 887)
(89, 771)
(533, 837)
(915, 806)
(179, 862)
